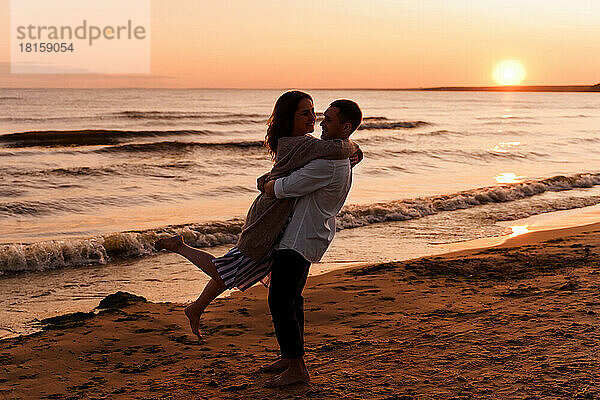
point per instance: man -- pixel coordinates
(321, 187)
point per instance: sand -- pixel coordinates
(515, 321)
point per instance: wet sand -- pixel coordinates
(515, 321)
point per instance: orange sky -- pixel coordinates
(351, 44)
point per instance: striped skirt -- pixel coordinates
(240, 271)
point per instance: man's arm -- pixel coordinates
(313, 176)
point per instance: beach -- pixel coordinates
(517, 320)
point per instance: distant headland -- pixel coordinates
(574, 88)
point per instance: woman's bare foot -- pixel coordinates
(194, 317)
(172, 244)
(289, 377)
(277, 366)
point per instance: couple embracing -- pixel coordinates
(289, 225)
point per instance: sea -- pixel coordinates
(90, 178)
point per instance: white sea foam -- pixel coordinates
(50, 255)
(125, 245)
(356, 216)
(102, 249)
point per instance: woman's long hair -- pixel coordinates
(281, 121)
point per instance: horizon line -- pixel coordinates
(448, 87)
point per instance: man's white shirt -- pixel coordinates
(321, 188)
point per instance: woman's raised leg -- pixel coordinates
(199, 258)
(202, 260)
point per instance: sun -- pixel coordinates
(509, 72)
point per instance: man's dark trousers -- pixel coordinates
(288, 277)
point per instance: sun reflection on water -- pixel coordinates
(518, 230)
(508, 177)
(503, 147)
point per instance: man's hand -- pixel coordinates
(270, 188)
(260, 182)
(356, 158)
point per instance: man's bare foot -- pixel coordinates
(289, 377)
(194, 317)
(277, 366)
(172, 244)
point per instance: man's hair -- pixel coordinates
(349, 112)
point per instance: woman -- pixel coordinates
(250, 261)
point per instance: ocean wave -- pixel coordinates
(166, 147)
(20, 153)
(102, 249)
(80, 171)
(78, 204)
(375, 140)
(442, 132)
(511, 121)
(385, 170)
(237, 122)
(181, 115)
(26, 208)
(392, 125)
(113, 170)
(88, 137)
(61, 172)
(38, 208)
(50, 255)
(508, 116)
(527, 207)
(382, 139)
(584, 140)
(11, 192)
(48, 118)
(456, 155)
(356, 216)
(375, 119)
(136, 244)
